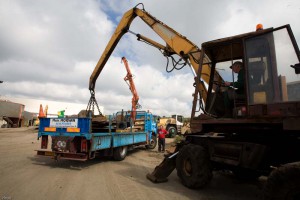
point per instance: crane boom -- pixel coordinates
(135, 96)
(175, 44)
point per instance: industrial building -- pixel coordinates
(14, 115)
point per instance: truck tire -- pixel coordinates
(153, 142)
(283, 183)
(172, 132)
(193, 166)
(120, 153)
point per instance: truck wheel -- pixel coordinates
(283, 183)
(193, 166)
(153, 143)
(172, 131)
(120, 153)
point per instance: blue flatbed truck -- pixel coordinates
(85, 138)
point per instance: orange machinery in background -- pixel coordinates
(135, 97)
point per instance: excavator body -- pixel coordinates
(261, 133)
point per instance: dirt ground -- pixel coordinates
(26, 176)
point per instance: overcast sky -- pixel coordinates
(49, 48)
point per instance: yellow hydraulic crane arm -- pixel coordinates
(175, 44)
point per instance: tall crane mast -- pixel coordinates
(135, 97)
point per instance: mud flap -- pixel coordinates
(163, 170)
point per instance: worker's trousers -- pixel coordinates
(161, 144)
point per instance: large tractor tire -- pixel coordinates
(193, 166)
(120, 153)
(172, 131)
(153, 142)
(283, 183)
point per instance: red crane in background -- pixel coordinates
(135, 97)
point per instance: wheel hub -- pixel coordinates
(187, 167)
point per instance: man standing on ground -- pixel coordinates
(161, 139)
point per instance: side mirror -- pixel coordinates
(297, 68)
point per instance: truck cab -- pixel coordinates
(172, 124)
(178, 124)
(145, 121)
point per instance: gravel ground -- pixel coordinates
(26, 176)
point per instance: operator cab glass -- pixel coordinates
(270, 61)
(271, 79)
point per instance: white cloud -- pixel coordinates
(157, 91)
(51, 91)
(244, 16)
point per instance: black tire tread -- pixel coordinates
(171, 135)
(154, 138)
(117, 153)
(202, 170)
